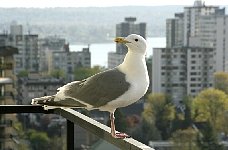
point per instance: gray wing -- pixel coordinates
(98, 89)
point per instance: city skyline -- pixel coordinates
(195, 50)
(100, 3)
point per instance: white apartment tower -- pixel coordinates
(196, 47)
(182, 71)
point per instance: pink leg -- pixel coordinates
(113, 130)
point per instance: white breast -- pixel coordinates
(134, 66)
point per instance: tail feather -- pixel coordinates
(49, 101)
(46, 100)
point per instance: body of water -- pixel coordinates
(99, 51)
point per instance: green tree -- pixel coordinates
(58, 143)
(38, 140)
(146, 132)
(187, 112)
(211, 105)
(23, 73)
(207, 139)
(185, 139)
(221, 81)
(183, 120)
(22, 136)
(58, 73)
(160, 111)
(82, 73)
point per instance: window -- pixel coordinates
(193, 79)
(174, 85)
(193, 61)
(182, 79)
(182, 73)
(193, 73)
(182, 56)
(193, 67)
(193, 85)
(193, 90)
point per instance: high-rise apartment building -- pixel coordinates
(7, 97)
(68, 61)
(123, 29)
(175, 31)
(27, 44)
(36, 85)
(182, 71)
(196, 47)
(46, 46)
(200, 26)
(55, 54)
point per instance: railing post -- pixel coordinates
(70, 135)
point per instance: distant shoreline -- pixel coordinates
(99, 51)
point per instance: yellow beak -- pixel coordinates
(121, 40)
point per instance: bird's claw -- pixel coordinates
(121, 135)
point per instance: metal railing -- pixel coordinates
(74, 117)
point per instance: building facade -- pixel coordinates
(68, 61)
(182, 71)
(27, 44)
(47, 45)
(200, 26)
(175, 31)
(55, 55)
(36, 85)
(123, 29)
(196, 48)
(7, 97)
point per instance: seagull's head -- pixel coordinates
(134, 42)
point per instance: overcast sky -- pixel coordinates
(101, 3)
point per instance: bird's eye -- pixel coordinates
(136, 40)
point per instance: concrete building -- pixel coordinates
(221, 44)
(27, 44)
(46, 46)
(7, 97)
(200, 26)
(68, 61)
(36, 85)
(123, 29)
(196, 47)
(175, 31)
(55, 54)
(114, 59)
(182, 71)
(194, 27)
(54, 43)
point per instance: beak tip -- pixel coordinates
(118, 39)
(121, 40)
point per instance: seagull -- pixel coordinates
(108, 90)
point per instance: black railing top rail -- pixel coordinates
(85, 122)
